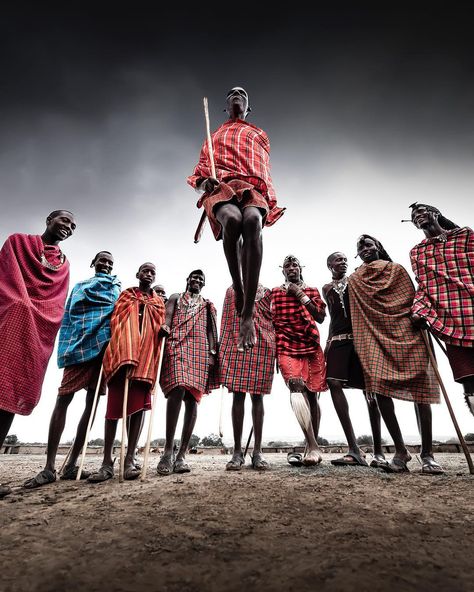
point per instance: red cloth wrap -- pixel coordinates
(32, 299)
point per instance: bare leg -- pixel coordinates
(258, 413)
(81, 430)
(296, 385)
(110, 431)
(6, 419)
(313, 400)
(342, 409)
(56, 428)
(238, 411)
(468, 385)
(190, 415)
(252, 252)
(374, 417)
(387, 410)
(135, 428)
(173, 407)
(230, 218)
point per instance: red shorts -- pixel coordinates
(82, 376)
(139, 396)
(311, 368)
(236, 191)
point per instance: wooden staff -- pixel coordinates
(248, 442)
(221, 406)
(448, 404)
(124, 431)
(66, 458)
(152, 414)
(89, 424)
(202, 221)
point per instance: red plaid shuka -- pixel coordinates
(130, 344)
(241, 151)
(445, 275)
(296, 331)
(391, 350)
(186, 359)
(250, 371)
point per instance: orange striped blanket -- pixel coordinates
(132, 345)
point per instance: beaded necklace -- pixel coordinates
(340, 286)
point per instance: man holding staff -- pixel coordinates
(130, 365)
(248, 372)
(239, 201)
(296, 308)
(84, 334)
(443, 264)
(189, 365)
(34, 279)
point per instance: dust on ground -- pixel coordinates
(326, 528)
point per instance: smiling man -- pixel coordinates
(189, 365)
(34, 279)
(444, 301)
(83, 337)
(239, 202)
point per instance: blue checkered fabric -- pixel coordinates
(85, 329)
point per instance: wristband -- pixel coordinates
(305, 299)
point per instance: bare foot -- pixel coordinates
(313, 457)
(247, 336)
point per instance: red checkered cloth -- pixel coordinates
(32, 299)
(391, 350)
(296, 330)
(250, 371)
(445, 295)
(241, 151)
(82, 376)
(132, 345)
(186, 359)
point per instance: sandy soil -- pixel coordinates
(326, 529)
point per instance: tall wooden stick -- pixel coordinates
(152, 413)
(248, 442)
(124, 431)
(66, 458)
(202, 221)
(448, 404)
(89, 423)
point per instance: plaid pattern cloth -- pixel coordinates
(391, 350)
(32, 299)
(445, 294)
(241, 151)
(85, 329)
(186, 359)
(296, 330)
(250, 371)
(130, 344)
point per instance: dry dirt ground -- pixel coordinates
(328, 528)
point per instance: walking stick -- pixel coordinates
(124, 431)
(448, 404)
(66, 458)
(89, 423)
(248, 442)
(202, 221)
(152, 414)
(221, 405)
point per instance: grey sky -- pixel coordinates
(367, 111)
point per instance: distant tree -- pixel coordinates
(278, 443)
(158, 442)
(365, 439)
(322, 441)
(96, 442)
(11, 439)
(194, 441)
(469, 437)
(452, 441)
(117, 442)
(211, 440)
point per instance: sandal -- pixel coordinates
(430, 467)
(311, 462)
(4, 491)
(131, 473)
(396, 465)
(259, 463)
(165, 466)
(70, 473)
(378, 461)
(180, 466)
(351, 459)
(235, 463)
(295, 459)
(42, 478)
(105, 473)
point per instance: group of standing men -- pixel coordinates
(375, 343)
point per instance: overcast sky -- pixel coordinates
(367, 111)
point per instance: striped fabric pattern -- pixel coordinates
(391, 350)
(186, 360)
(85, 329)
(250, 371)
(445, 295)
(130, 344)
(296, 330)
(241, 151)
